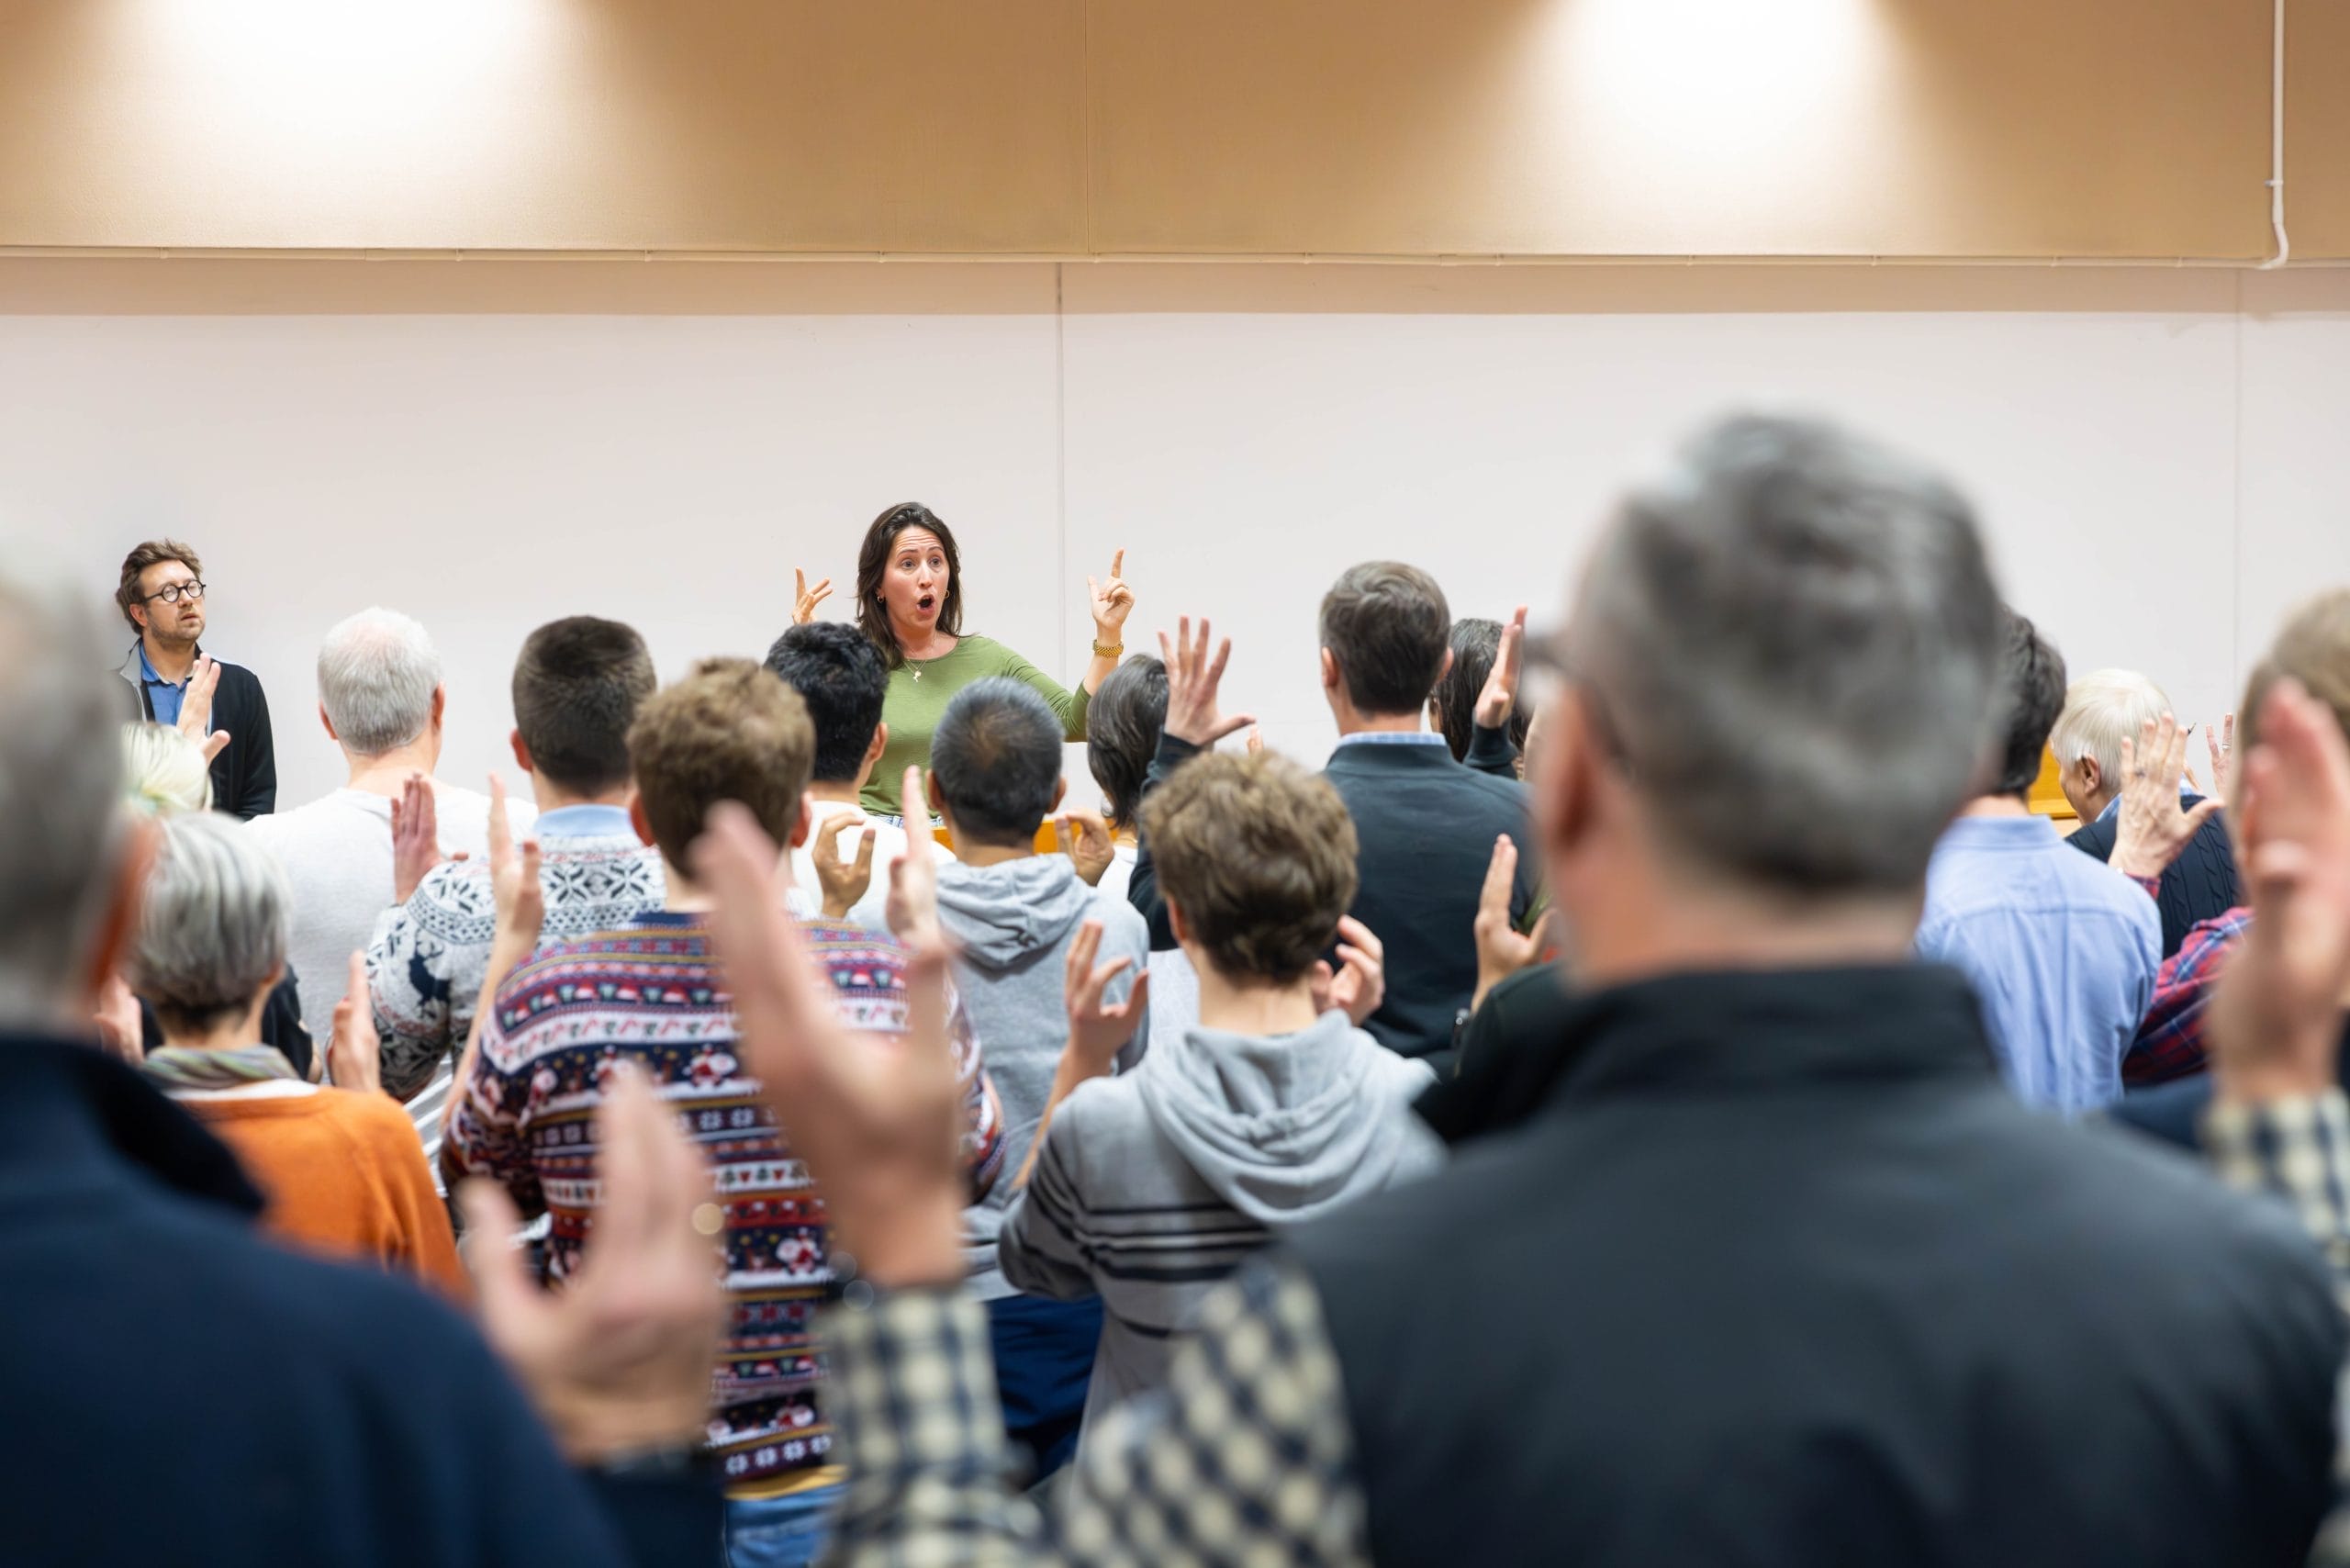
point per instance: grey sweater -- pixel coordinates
(1013, 924)
(1153, 1185)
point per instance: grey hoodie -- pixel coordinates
(1013, 924)
(1154, 1185)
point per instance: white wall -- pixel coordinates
(2156, 452)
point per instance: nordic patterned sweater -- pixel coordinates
(426, 958)
(650, 991)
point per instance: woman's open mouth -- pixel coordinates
(926, 603)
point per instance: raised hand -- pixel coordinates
(1110, 601)
(618, 1361)
(804, 600)
(1192, 681)
(2222, 744)
(877, 1121)
(1498, 699)
(1359, 983)
(2275, 1021)
(911, 909)
(1256, 741)
(1502, 949)
(415, 837)
(1085, 839)
(195, 706)
(1096, 1030)
(843, 882)
(513, 881)
(2152, 829)
(120, 1027)
(354, 1054)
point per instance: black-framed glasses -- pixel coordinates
(172, 593)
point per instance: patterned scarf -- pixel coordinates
(175, 1068)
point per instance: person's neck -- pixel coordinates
(929, 643)
(679, 896)
(2098, 802)
(844, 793)
(978, 855)
(1352, 722)
(1255, 1009)
(1650, 929)
(386, 773)
(173, 661)
(1996, 806)
(233, 1034)
(551, 797)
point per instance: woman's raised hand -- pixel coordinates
(804, 600)
(1112, 601)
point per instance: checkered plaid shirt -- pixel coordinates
(2170, 1041)
(2300, 1150)
(1246, 1457)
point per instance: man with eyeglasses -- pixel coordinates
(221, 705)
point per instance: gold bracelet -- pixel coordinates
(1111, 651)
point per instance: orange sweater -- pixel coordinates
(345, 1175)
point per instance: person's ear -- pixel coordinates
(328, 724)
(1060, 793)
(1329, 671)
(1443, 669)
(521, 752)
(638, 819)
(880, 743)
(139, 616)
(1176, 924)
(931, 791)
(2092, 776)
(1570, 778)
(802, 822)
(439, 704)
(127, 889)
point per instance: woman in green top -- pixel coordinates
(910, 602)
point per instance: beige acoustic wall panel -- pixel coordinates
(2110, 127)
(676, 125)
(2317, 129)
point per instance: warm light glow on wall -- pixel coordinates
(343, 67)
(1767, 107)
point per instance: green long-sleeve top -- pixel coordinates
(919, 692)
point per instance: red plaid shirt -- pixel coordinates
(2170, 1041)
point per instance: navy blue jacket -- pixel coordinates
(2200, 884)
(1776, 1273)
(179, 1391)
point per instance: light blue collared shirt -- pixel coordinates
(162, 695)
(1392, 737)
(586, 821)
(2062, 951)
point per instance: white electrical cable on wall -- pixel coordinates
(2277, 145)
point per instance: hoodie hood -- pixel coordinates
(1001, 914)
(1286, 1126)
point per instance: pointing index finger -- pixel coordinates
(1118, 563)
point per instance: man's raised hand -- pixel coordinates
(1192, 679)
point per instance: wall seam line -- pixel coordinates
(2235, 533)
(1060, 454)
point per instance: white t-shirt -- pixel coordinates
(1120, 873)
(337, 852)
(889, 843)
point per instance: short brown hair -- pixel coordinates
(2314, 649)
(577, 685)
(1389, 628)
(1259, 856)
(729, 730)
(154, 553)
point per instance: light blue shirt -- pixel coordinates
(2062, 951)
(1392, 737)
(589, 821)
(162, 695)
